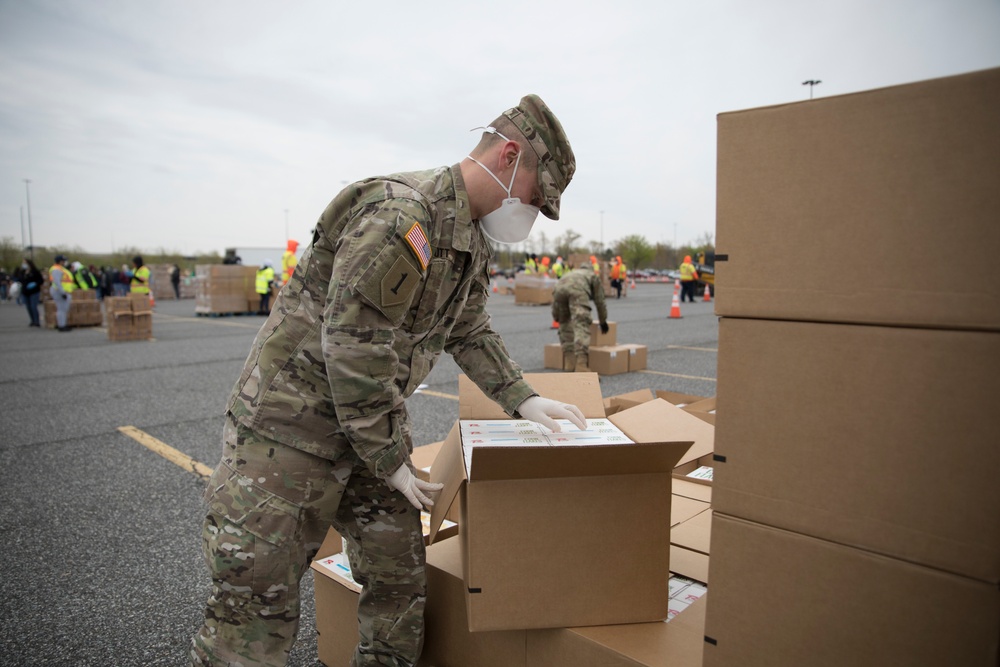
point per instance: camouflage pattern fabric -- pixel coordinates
(571, 308)
(395, 274)
(269, 507)
(365, 316)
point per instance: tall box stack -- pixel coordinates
(225, 288)
(855, 483)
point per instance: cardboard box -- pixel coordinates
(879, 438)
(802, 188)
(560, 509)
(608, 360)
(688, 563)
(695, 533)
(619, 402)
(678, 399)
(601, 339)
(637, 357)
(553, 357)
(781, 598)
(679, 643)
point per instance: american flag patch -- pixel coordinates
(418, 243)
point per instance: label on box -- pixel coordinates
(704, 472)
(526, 433)
(683, 592)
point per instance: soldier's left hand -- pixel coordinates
(545, 411)
(414, 488)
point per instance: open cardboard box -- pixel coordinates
(538, 524)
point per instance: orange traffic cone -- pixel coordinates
(495, 290)
(675, 304)
(633, 282)
(708, 294)
(555, 324)
(152, 301)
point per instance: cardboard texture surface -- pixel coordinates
(561, 507)
(678, 643)
(695, 533)
(875, 437)
(780, 598)
(599, 339)
(882, 170)
(609, 359)
(687, 563)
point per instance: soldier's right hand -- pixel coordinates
(604, 327)
(414, 488)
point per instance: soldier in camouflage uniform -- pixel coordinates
(317, 432)
(571, 309)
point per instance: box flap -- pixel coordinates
(581, 389)
(448, 469)
(695, 533)
(690, 564)
(693, 490)
(678, 399)
(496, 463)
(682, 509)
(658, 420)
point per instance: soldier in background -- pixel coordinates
(317, 433)
(571, 309)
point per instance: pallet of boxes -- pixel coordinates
(565, 553)
(129, 317)
(226, 289)
(84, 309)
(533, 289)
(856, 496)
(607, 355)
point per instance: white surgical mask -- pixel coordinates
(512, 222)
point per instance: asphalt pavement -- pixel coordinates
(101, 560)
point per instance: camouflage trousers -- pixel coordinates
(269, 508)
(572, 312)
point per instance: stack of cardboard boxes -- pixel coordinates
(856, 501)
(533, 289)
(225, 289)
(129, 317)
(564, 554)
(607, 356)
(84, 309)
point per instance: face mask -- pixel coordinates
(512, 222)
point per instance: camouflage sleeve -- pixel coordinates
(359, 321)
(481, 354)
(598, 290)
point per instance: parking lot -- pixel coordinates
(101, 561)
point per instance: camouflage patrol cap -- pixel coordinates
(545, 135)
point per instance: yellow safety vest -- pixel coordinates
(687, 271)
(264, 277)
(68, 284)
(142, 273)
(288, 264)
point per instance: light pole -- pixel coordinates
(31, 237)
(811, 83)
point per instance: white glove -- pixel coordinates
(414, 488)
(545, 411)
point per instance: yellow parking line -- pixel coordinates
(678, 375)
(428, 392)
(166, 451)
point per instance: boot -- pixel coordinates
(569, 362)
(581, 363)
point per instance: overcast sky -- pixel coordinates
(194, 125)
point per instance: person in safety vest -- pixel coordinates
(140, 277)
(571, 309)
(617, 276)
(289, 261)
(558, 268)
(544, 268)
(594, 263)
(61, 289)
(84, 279)
(530, 263)
(265, 280)
(689, 277)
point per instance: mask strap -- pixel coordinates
(492, 130)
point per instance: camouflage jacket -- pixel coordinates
(584, 282)
(396, 273)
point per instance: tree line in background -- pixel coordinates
(11, 254)
(635, 250)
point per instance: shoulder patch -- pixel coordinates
(417, 240)
(398, 283)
